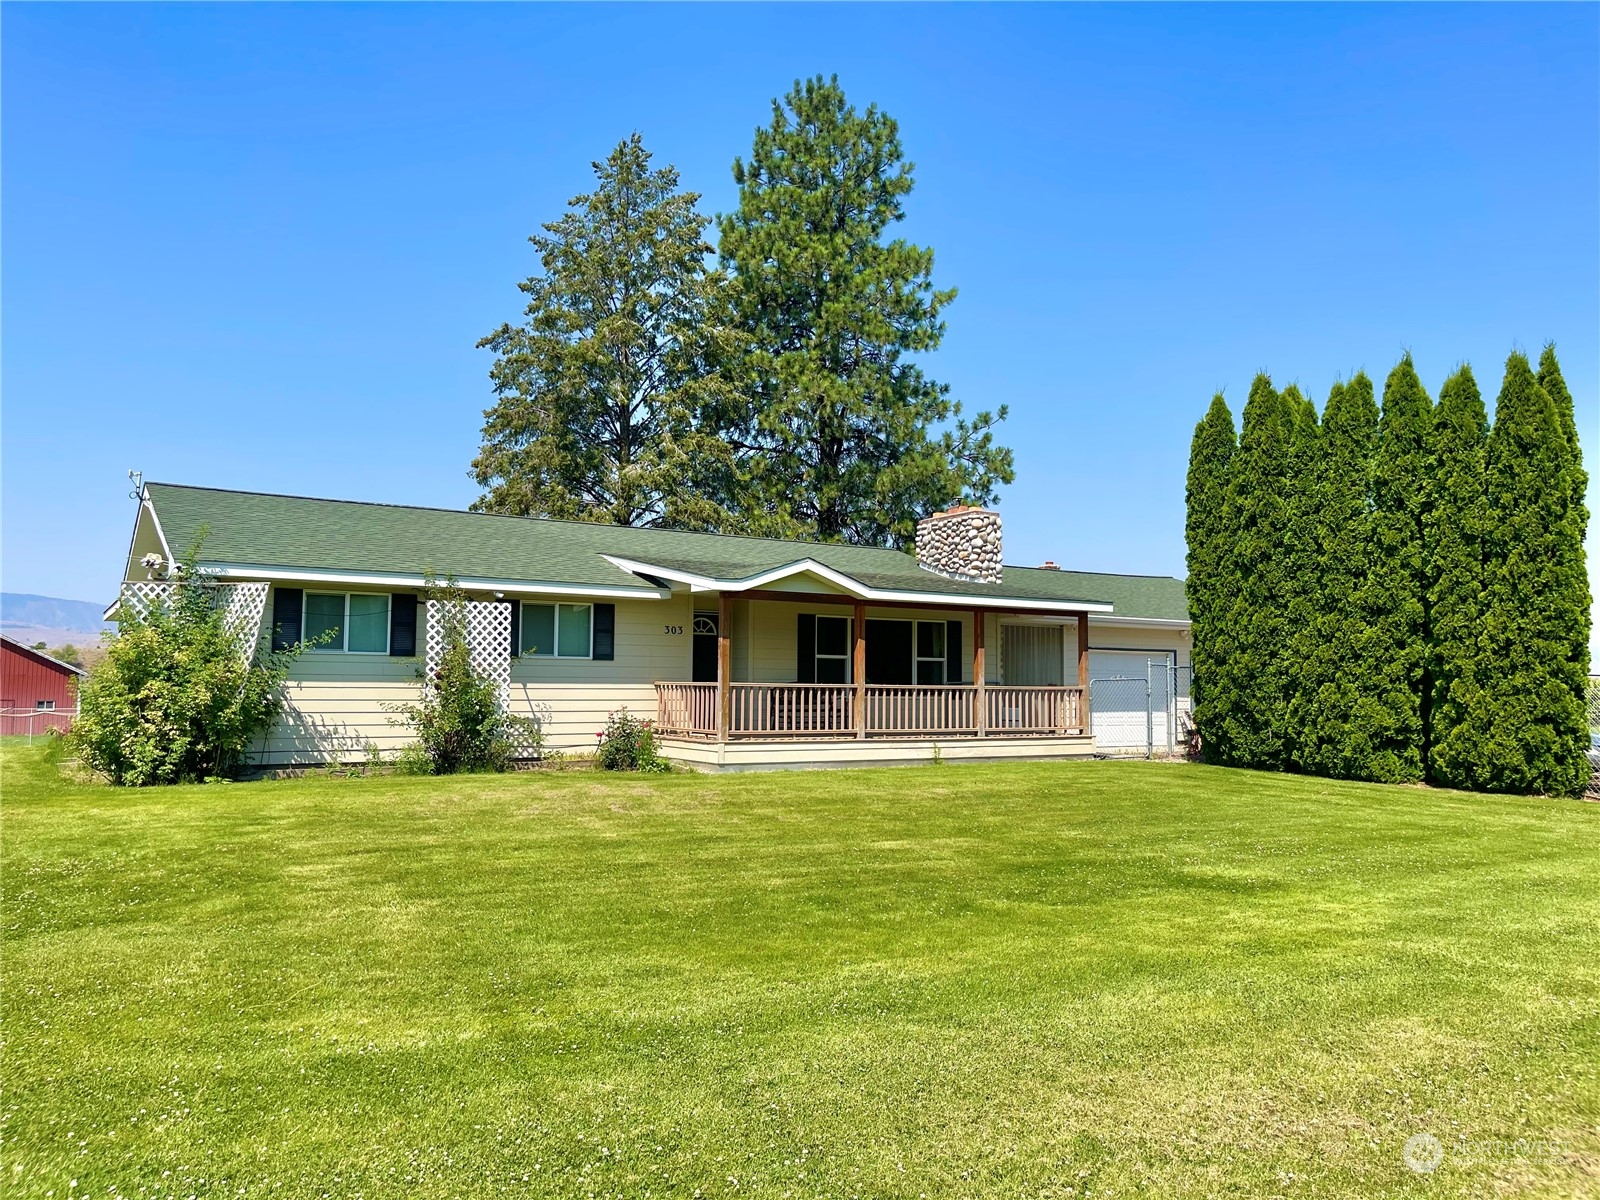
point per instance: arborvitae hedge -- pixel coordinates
(1299, 552)
(1576, 517)
(1334, 717)
(1397, 597)
(1458, 526)
(1535, 600)
(1391, 656)
(1247, 681)
(1210, 543)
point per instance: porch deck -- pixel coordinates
(829, 711)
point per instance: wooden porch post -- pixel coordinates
(724, 665)
(979, 669)
(1083, 673)
(859, 669)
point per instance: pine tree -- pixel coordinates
(597, 416)
(1210, 548)
(1335, 716)
(1247, 685)
(845, 437)
(1393, 651)
(1458, 526)
(1533, 677)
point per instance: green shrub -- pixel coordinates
(459, 723)
(177, 698)
(628, 744)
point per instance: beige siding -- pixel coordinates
(334, 707)
(1106, 635)
(769, 631)
(653, 642)
(335, 703)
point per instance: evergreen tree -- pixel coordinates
(844, 437)
(1210, 546)
(1576, 522)
(1458, 526)
(1248, 725)
(1392, 654)
(1301, 599)
(1533, 674)
(1335, 717)
(598, 417)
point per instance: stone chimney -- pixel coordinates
(962, 542)
(1049, 565)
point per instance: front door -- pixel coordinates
(705, 648)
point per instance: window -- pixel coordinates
(930, 651)
(354, 623)
(833, 649)
(558, 630)
(45, 705)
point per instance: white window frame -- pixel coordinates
(917, 659)
(44, 706)
(555, 650)
(344, 627)
(847, 657)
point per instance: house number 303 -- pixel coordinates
(674, 630)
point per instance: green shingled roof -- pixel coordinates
(290, 532)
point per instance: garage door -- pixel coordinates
(1119, 714)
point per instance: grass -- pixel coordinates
(1086, 979)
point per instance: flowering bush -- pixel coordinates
(459, 723)
(628, 744)
(178, 697)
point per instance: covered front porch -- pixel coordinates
(875, 673)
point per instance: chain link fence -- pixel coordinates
(1148, 714)
(1593, 791)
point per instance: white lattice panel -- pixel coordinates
(488, 636)
(145, 595)
(243, 606)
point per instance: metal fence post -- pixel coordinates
(1149, 716)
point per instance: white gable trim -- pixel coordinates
(847, 584)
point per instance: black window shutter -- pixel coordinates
(286, 616)
(516, 627)
(605, 632)
(402, 625)
(805, 640)
(952, 652)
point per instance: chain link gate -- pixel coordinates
(1148, 714)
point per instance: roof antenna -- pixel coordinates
(137, 478)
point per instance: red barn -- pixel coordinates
(37, 692)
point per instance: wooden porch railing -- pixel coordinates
(687, 708)
(1032, 710)
(807, 710)
(921, 709)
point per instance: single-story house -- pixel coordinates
(746, 652)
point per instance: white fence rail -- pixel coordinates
(34, 722)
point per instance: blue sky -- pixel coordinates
(253, 246)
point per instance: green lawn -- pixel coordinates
(1085, 979)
